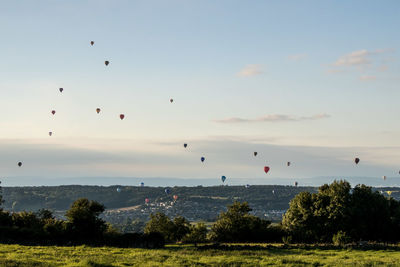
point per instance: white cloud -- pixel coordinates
(297, 57)
(251, 70)
(359, 57)
(367, 78)
(274, 118)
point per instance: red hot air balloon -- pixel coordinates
(61, 90)
(175, 197)
(53, 112)
(98, 110)
(266, 169)
(91, 43)
(121, 116)
(147, 200)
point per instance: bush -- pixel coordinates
(237, 225)
(198, 234)
(341, 239)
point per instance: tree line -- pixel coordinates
(335, 214)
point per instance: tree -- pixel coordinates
(173, 231)
(237, 225)
(83, 219)
(160, 223)
(197, 234)
(338, 213)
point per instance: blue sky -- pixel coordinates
(313, 82)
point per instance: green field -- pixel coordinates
(261, 255)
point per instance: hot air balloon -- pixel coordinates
(202, 159)
(384, 177)
(141, 184)
(118, 190)
(171, 100)
(98, 110)
(61, 90)
(255, 154)
(288, 163)
(19, 164)
(266, 169)
(389, 193)
(106, 62)
(167, 191)
(121, 116)
(175, 197)
(53, 112)
(295, 183)
(223, 178)
(273, 191)
(356, 160)
(147, 200)
(185, 145)
(91, 43)
(50, 133)
(247, 186)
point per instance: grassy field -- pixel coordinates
(260, 255)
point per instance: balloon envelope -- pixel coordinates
(121, 116)
(175, 197)
(384, 177)
(266, 169)
(223, 178)
(61, 90)
(295, 183)
(185, 145)
(91, 43)
(53, 112)
(288, 163)
(98, 110)
(50, 133)
(356, 160)
(167, 191)
(202, 159)
(19, 164)
(171, 100)
(255, 154)
(141, 184)
(118, 189)
(247, 186)
(106, 62)
(147, 200)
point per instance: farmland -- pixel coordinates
(179, 255)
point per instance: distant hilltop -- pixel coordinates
(167, 181)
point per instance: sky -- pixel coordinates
(315, 83)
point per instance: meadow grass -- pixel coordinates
(179, 255)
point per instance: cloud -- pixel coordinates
(274, 118)
(251, 70)
(359, 57)
(297, 57)
(367, 78)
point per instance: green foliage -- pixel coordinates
(83, 219)
(362, 214)
(237, 225)
(341, 238)
(197, 234)
(172, 231)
